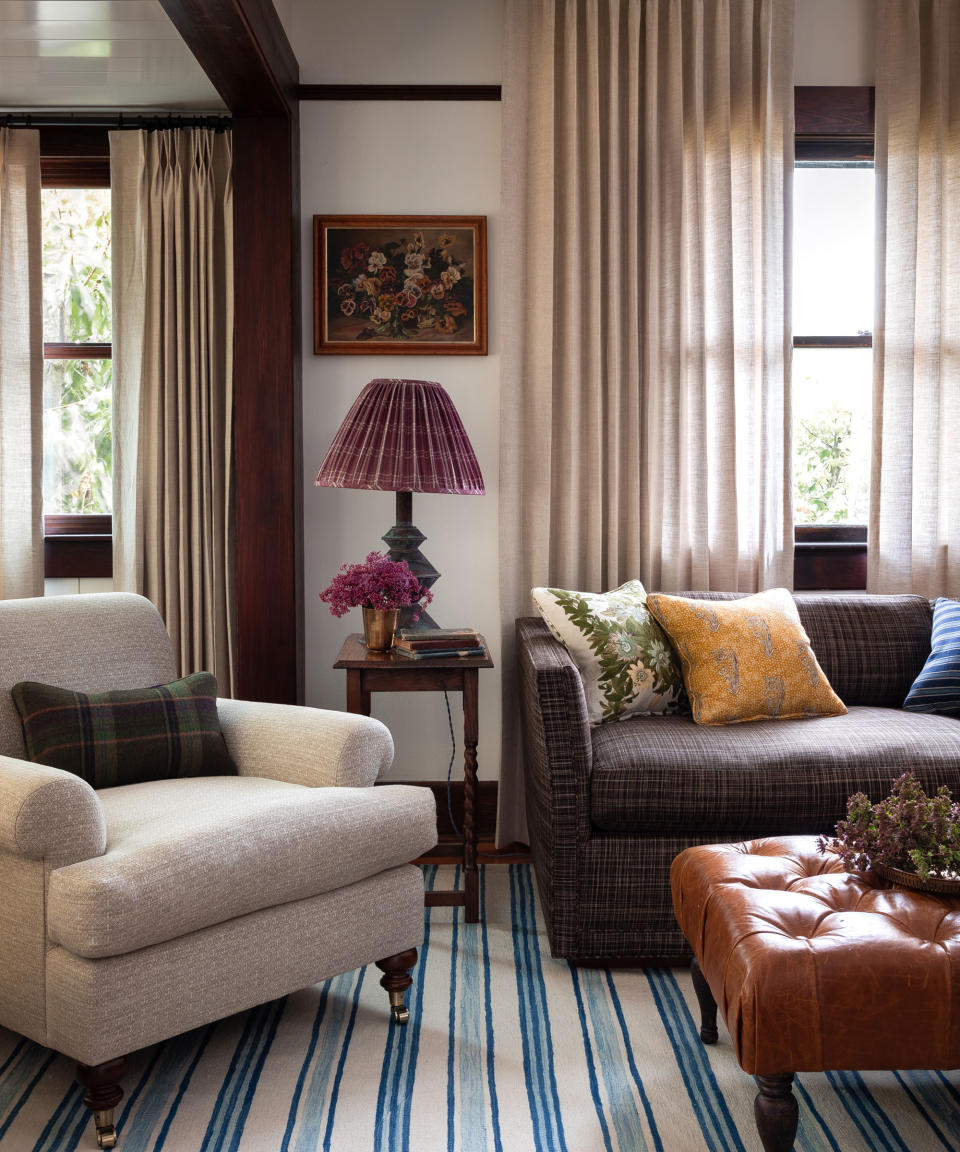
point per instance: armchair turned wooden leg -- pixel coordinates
(708, 1006)
(776, 1112)
(103, 1094)
(397, 979)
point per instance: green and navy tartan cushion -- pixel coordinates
(111, 738)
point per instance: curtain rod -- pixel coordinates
(118, 120)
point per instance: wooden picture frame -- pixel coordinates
(388, 285)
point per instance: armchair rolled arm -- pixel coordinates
(310, 746)
(46, 813)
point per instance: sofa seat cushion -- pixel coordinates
(665, 774)
(186, 854)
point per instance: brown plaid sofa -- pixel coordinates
(610, 807)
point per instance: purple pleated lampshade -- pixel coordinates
(402, 436)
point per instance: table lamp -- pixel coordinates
(403, 436)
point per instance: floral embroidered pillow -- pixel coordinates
(747, 659)
(623, 656)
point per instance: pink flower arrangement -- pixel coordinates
(376, 583)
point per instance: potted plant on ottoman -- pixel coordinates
(909, 838)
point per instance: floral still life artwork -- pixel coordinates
(389, 284)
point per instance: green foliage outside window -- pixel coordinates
(78, 448)
(821, 458)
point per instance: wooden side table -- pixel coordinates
(387, 672)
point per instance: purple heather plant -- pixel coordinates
(376, 583)
(908, 830)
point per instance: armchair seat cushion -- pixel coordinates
(186, 854)
(667, 775)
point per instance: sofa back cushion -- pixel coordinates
(100, 642)
(871, 648)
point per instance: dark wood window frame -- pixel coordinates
(832, 123)
(76, 546)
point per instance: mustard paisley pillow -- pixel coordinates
(625, 660)
(746, 659)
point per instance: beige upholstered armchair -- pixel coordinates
(133, 913)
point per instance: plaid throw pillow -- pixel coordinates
(113, 738)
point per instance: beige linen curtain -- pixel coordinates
(648, 150)
(21, 366)
(915, 494)
(173, 528)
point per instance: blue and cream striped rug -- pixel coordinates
(506, 1051)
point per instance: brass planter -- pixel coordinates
(379, 625)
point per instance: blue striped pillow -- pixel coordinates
(937, 688)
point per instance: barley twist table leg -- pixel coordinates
(471, 877)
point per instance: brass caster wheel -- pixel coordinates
(107, 1137)
(401, 1014)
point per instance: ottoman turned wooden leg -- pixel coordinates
(708, 1006)
(775, 1109)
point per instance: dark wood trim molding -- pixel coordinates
(77, 524)
(244, 51)
(79, 350)
(398, 92)
(864, 341)
(74, 157)
(833, 111)
(242, 47)
(829, 567)
(77, 556)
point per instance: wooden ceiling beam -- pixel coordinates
(243, 49)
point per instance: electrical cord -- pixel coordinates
(453, 756)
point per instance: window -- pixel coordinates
(832, 357)
(75, 178)
(77, 390)
(833, 302)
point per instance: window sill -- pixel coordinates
(77, 556)
(830, 558)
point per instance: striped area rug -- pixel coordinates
(506, 1051)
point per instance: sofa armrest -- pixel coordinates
(558, 750)
(49, 814)
(311, 746)
(558, 759)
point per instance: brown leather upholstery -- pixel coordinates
(815, 969)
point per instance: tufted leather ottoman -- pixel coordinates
(815, 969)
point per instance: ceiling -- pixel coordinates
(85, 54)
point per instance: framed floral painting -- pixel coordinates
(389, 284)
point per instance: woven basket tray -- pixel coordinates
(912, 880)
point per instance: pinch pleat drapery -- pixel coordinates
(21, 366)
(645, 429)
(915, 491)
(173, 523)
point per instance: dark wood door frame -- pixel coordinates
(242, 47)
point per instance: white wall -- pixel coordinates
(432, 158)
(833, 42)
(410, 158)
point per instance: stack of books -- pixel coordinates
(429, 643)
